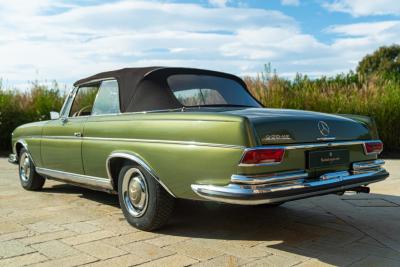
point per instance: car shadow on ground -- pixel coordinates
(336, 230)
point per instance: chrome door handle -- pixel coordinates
(78, 134)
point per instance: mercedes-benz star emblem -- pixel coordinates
(323, 128)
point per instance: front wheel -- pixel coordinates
(144, 202)
(29, 178)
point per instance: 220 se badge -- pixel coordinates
(152, 135)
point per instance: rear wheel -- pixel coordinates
(29, 178)
(145, 204)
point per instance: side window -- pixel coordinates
(107, 100)
(83, 102)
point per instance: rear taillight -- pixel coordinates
(373, 147)
(263, 156)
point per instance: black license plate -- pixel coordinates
(328, 158)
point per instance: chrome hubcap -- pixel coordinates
(24, 167)
(135, 192)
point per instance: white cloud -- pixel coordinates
(290, 2)
(54, 40)
(364, 29)
(359, 8)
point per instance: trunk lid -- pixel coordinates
(284, 126)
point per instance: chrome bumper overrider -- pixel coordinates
(280, 187)
(12, 158)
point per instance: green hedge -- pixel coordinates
(18, 107)
(346, 94)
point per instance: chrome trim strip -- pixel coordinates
(316, 145)
(263, 194)
(139, 161)
(133, 140)
(272, 178)
(326, 138)
(92, 181)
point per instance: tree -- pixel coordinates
(384, 62)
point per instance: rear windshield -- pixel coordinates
(205, 90)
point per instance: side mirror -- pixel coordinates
(54, 115)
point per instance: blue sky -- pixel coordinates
(66, 40)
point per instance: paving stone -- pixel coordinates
(15, 235)
(44, 227)
(371, 202)
(166, 240)
(82, 227)
(194, 250)
(55, 249)
(171, 261)
(226, 247)
(121, 261)
(130, 238)
(85, 238)
(380, 251)
(100, 250)
(75, 260)
(10, 227)
(224, 260)
(146, 251)
(23, 260)
(273, 260)
(39, 238)
(372, 261)
(13, 248)
(313, 263)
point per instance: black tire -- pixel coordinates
(156, 208)
(29, 178)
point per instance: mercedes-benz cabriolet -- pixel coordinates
(152, 135)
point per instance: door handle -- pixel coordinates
(78, 134)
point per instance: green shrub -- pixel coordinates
(18, 107)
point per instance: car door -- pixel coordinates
(97, 144)
(61, 146)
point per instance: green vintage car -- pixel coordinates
(152, 135)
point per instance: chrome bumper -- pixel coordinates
(12, 158)
(281, 187)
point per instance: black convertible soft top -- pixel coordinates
(147, 88)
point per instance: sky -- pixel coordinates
(61, 40)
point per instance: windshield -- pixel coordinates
(204, 90)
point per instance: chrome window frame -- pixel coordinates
(67, 103)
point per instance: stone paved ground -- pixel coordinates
(69, 226)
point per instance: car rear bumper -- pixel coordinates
(12, 158)
(281, 187)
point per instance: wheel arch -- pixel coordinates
(19, 145)
(117, 159)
